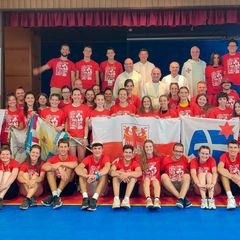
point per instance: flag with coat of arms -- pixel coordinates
(214, 133)
(114, 132)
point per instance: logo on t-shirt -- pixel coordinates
(86, 72)
(61, 69)
(216, 78)
(76, 120)
(234, 169)
(150, 171)
(233, 65)
(176, 173)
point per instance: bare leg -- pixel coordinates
(185, 185)
(202, 179)
(130, 187)
(156, 188)
(116, 186)
(5, 177)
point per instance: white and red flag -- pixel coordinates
(114, 132)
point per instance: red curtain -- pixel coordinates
(129, 18)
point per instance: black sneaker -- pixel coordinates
(92, 205)
(25, 204)
(85, 204)
(187, 203)
(1, 203)
(47, 201)
(33, 202)
(180, 203)
(56, 202)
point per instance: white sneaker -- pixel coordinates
(125, 203)
(204, 203)
(149, 203)
(211, 203)
(116, 203)
(156, 203)
(231, 203)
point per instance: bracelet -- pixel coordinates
(97, 176)
(85, 137)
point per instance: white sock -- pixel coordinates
(95, 196)
(59, 191)
(54, 193)
(116, 197)
(229, 194)
(127, 198)
(85, 195)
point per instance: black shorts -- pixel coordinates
(12, 191)
(67, 191)
(123, 187)
(235, 189)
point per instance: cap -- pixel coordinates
(226, 80)
(97, 143)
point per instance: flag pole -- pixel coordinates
(89, 149)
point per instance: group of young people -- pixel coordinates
(129, 175)
(83, 91)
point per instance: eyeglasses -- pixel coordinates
(65, 92)
(178, 151)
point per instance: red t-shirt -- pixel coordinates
(94, 167)
(62, 105)
(31, 170)
(76, 118)
(10, 166)
(198, 112)
(203, 167)
(56, 119)
(61, 72)
(232, 98)
(120, 165)
(220, 114)
(148, 114)
(232, 167)
(184, 111)
(175, 169)
(173, 103)
(96, 113)
(10, 119)
(87, 72)
(231, 67)
(153, 168)
(134, 100)
(20, 106)
(56, 159)
(110, 73)
(169, 114)
(214, 77)
(117, 109)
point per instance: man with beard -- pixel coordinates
(63, 70)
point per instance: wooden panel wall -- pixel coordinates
(106, 4)
(20, 53)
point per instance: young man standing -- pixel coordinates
(109, 70)
(87, 70)
(92, 173)
(59, 169)
(176, 178)
(63, 70)
(231, 64)
(229, 170)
